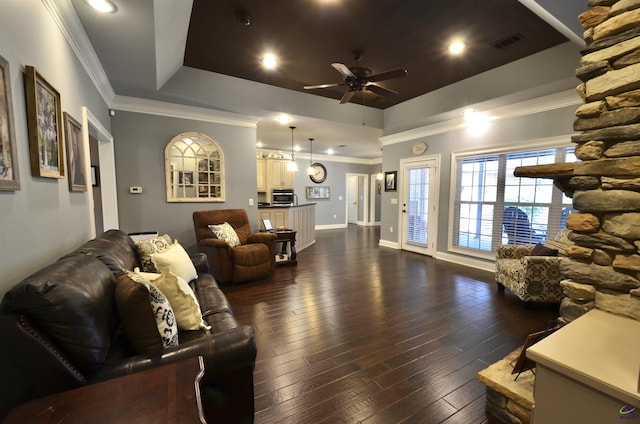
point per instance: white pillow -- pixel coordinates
(175, 260)
(182, 299)
(225, 232)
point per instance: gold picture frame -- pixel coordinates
(9, 175)
(44, 123)
(75, 154)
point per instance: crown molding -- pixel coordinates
(67, 20)
(154, 107)
(528, 107)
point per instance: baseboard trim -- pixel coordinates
(390, 244)
(466, 261)
(330, 227)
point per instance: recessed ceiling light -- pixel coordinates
(456, 47)
(330, 151)
(103, 6)
(269, 61)
(259, 144)
(283, 119)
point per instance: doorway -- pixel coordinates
(352, 199)
(419, 204)
(102, 199)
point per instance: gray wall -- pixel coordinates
(337, 181)
(43, 220)
(508, 132)
(140, 140)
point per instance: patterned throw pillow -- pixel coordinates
(134, 313)
(225, 232)
(183, 301)
(146, 248)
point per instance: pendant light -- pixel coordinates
(310, 169)
(292, 165)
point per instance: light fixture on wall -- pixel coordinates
(103, 6)
(310, 168)
(292, 165)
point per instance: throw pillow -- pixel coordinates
(146, 248)
(145, 313)
(182, 299)
(542, 250)
(225, 232)
(175, 260)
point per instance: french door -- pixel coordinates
(419, 204)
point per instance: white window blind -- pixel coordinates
(493, 207)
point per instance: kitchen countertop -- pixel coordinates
(285, 206)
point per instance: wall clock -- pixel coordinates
(419, 147)
(319, 173)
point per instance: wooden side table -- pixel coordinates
(166, 394)
(287, 238)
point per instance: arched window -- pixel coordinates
(194, 166)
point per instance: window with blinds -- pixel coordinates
(493, 207)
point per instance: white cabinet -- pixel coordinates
(278, 174)
(301, 218)
(261, 170)
(587, 372)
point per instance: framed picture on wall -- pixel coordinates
(75, 154)
(9, 175)
(44, 123)
(390, 180)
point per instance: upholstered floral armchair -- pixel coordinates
(531, 278)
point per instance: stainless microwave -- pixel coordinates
(282, 196)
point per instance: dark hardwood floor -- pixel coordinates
(361, 333)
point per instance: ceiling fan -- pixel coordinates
(358, 78)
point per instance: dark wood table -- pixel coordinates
(166, 394)
(286, 238)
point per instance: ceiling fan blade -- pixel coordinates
(311, 87)
(381, 90)
(396, 73)
(343, 69)
(347, 97)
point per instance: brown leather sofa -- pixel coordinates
(59, 329)
(253, 259)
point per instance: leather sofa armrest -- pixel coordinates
(200, 262)
(263, 237)
(222, 353)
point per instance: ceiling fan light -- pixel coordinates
(103, 6)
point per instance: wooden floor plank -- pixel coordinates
(362, 333)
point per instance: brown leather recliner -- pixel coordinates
(253, 259)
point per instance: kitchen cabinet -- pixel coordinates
(278, 176)
(300, 218)
(261, 170)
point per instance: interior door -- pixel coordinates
(420, 188)
(352, 199)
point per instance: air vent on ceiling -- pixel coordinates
(514, 38)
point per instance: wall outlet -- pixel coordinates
(391, 229)
(250, 202)
(335, 216)
(339, 197)
(135, 190)
(394, 201)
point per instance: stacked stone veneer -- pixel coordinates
(603, 268)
